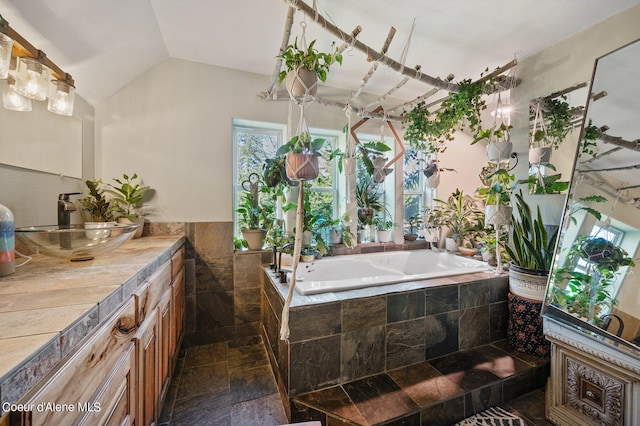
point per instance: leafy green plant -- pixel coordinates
(430, 132)
(493, 134)
(369, 199)
(95, 206)
(295, 57)
(128, 195)
(253, 214)
(460, 213)
(301, 143)
(545, 184)
(589, 137)
(498, 189)
(531, 246)
(579, 206)
(556, 116)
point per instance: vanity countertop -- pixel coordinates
(48, 305)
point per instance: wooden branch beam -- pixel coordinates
(356, 31)
(284, 96)
(609, 190)
(420, 98)
(611, 169)
(618, 141)
(567, 90)
(286, 36)
(389, 93)
(371, 53)
(374, 67)
(604, 154)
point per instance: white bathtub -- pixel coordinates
(365, 270)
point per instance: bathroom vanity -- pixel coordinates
(92, 342)
(592, 304)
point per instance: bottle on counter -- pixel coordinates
(7, 242)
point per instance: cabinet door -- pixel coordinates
(148, 384)
(148, 294)
(165, 309)
(178, 313)
(115, 402)
(69, 392)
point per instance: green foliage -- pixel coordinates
(369, 199)
(430, 132)
(254, 214)
(531, 246)
(589, 137)
(545, 184)
(128, 195)
(461, 214)
(578, 206)
(295, 57)
(95, 206)
(301, 143)
(493, 134)
(499, 188)
(601, 252)
(556, 114)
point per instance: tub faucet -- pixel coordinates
(607, 322)
(65, 207)
(283, 274)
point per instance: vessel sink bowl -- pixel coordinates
(75, 242)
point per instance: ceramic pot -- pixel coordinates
(450, 245)
(138, 221)
(540, 155)
(306, 238)
(434, 180)
(384, 235)
(334, 237)
(301, 83)
(527, 283)
(254, 238)
(301, 166)
(469, 252)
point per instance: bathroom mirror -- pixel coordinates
(595, 281)
(41, 140)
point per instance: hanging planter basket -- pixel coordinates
(434, 180)
(302, 166)
(540, 155)
(499, 150)
(497, 215)
(302, 83)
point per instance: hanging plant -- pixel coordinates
(430, 132)
(551, 122)
(590, 135)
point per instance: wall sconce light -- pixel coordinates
(61, 97)
(13, 100)
(6, 46)
(35, 76)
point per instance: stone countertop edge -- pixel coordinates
(124, 269)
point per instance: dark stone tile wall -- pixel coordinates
(223, 295)
(376, 334)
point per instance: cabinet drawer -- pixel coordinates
(82, 373)
(149, 293)
(177, 262)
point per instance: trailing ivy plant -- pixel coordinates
(557, 114)
(429, 132)
(296, 57)
(589, 138)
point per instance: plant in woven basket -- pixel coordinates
(302, 156)
(295, 57)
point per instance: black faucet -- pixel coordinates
(607, 322)
(65, 207)
(283, 274)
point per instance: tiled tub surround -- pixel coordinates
(49, 305)
(336, 338)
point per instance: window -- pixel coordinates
(255, 142)
(416, 197)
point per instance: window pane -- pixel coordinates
(411, 170)
(327, 169)
(411, 206)
(254, 146)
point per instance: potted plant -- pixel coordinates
(413, 223)
(531, 252)
(432, 173)
(302, 154)
(497, 197)
(542, 183)
(97, 211)
(127, 198)
(255, 220)
(499, 145)
(587, 291)
(461, 215)
(551, 124)
(305, 66)
(383, 226)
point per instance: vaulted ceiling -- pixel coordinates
(107, 44)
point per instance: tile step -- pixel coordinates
(440, 391)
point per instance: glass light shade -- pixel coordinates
(6, 46)
(32, 79)
(11, 99)
(61, 98)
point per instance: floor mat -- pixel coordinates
(494, 416)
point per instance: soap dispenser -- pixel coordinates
(7, 242)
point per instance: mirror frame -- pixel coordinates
(550, 311)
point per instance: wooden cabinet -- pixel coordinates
(72, 392)
(120, 374)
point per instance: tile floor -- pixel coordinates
(231, 384)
